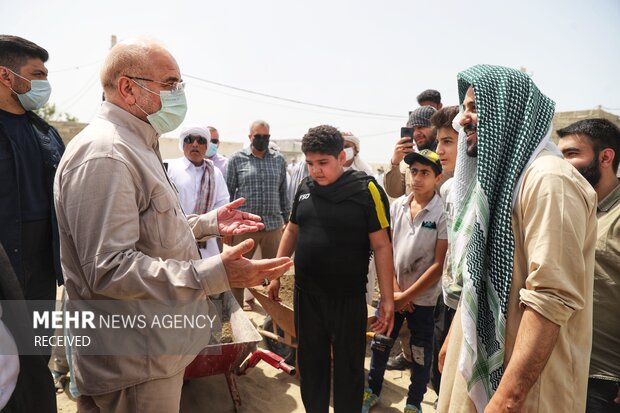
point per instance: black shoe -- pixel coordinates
(398, 363)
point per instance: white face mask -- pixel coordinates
(172, 112)
(37, 96)
(456, 122)
(349, 153)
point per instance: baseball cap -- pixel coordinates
(427, 157)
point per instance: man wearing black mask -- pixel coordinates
(258, 174)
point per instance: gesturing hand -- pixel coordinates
(243, 272)
(233, 222)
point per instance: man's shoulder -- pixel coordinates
(99, 132)
(552, 174)
(303, 184)
(547, 162)
(546, 165)
(240, 154)
(610, 205)
(95, 141)
(274, 156)
(277, 155)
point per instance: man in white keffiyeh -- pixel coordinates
(200, 185)
(522, 239)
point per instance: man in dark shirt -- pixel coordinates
(29, 153)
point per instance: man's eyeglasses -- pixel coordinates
(262, 136)
(174, 86)
(191, 139)
(215, 141)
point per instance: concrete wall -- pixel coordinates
(68, 130)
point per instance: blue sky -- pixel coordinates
(361, 55)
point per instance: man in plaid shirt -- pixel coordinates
(258, 174)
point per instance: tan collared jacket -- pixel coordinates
(124, 237)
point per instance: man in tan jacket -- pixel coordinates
(523, 238)
(124, 235)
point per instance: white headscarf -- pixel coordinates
(194, 129)
(357, 164)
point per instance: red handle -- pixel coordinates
(268, 356)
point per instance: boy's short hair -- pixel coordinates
(443, 117)
(15, 51)
(323, 139)
(426, 157)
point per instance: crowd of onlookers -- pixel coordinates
(495, 251)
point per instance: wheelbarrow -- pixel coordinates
(279, 326)
(231, 359)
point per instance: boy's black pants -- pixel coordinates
(324, 325)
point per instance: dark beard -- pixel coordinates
(592, 172)
(472, 151)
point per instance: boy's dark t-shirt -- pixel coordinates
(333, 247)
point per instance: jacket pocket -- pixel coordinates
(166, 217)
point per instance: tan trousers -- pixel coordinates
(155, 396)
(269, 241)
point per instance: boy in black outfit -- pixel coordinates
(337, 219)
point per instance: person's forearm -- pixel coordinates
(444, 349)
(396, 286)
(394, 182)
(430, 277)
(204, 226)
(288, 241)
(535, 341)
(385, 270)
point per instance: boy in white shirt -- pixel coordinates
(420, 244)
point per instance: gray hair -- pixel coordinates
(259, 123)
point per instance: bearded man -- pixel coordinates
(523, 238)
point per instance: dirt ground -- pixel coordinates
(268, 390)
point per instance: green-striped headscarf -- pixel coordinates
(514, 119)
